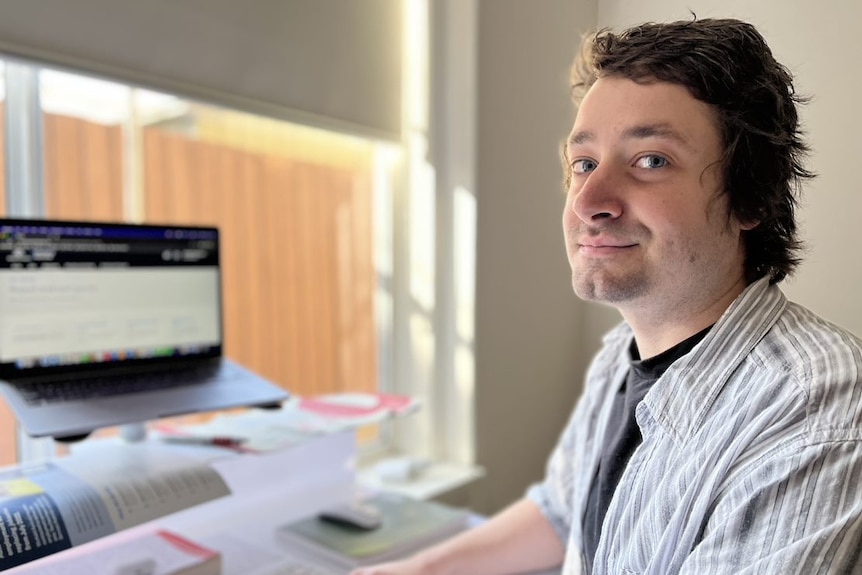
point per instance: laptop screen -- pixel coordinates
(89, 295)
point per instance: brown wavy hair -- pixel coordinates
(727, 64)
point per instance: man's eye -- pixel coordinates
(583, 166)
(651, 162)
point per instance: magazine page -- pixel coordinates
(52, 506)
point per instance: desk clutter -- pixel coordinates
(154, 553)
(53, 506)
(298, 420)
(245, 472)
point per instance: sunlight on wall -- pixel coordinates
(422, 227)
(418, 356)
(464, 252)
(416, 65)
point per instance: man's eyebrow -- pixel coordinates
(580, 137)
(641, 132)
(663, 131)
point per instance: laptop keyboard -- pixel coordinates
(102, 386)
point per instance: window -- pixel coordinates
(407, 210)
(304, 216)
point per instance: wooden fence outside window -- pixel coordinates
(297, 255)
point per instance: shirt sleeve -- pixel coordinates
(553, 495)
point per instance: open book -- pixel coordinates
(407, 525)
(49, 507)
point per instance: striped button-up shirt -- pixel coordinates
(751, 460)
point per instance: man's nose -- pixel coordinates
(599, 195)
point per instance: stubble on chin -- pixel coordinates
(599, 285)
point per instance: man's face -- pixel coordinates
(645, 222)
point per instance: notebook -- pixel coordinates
(406, 526)
(104, 324)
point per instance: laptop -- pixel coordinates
(105, 324)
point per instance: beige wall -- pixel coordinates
(529, 365)
(820, 44)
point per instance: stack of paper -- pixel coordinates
(299, 420)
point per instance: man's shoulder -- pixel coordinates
(808, 345)
(823, 363)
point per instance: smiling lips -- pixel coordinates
(599, 247)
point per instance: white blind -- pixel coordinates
(331, 62)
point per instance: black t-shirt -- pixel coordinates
(623, 435)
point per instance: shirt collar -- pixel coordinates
(681, 398)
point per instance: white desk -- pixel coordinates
(267, 489)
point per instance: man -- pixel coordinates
(720, 429)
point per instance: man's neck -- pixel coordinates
(658, 328)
